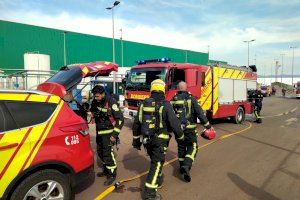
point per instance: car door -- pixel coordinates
(14, 146)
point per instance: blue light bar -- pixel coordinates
(159, 60)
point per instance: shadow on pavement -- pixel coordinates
(249, 189)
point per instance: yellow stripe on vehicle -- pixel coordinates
(10, 138)
(38, 143)
(54, 99)
(13, 97)
(37, 98)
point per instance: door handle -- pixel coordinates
(8, 146)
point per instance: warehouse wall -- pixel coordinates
(17, 39)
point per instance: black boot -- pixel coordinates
(110, 180)
(151, 194)
(103, 173)
(185, 171)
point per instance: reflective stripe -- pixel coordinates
(191, 126)
(117, 130)
(141, 113)
(148, 185)
(136, 137)
(172, 102)
(206, 124)
(163, 136)
(160, 116)
(192, 156)
(106, 131)
(148, 109)
(181, 138)
(188, 114)
(154, 180)
(111, 167)
(179, 102)
(102, 109)
(256, 115)
(181, 159)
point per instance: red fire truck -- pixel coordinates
(221, 90)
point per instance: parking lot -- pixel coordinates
(246, 161)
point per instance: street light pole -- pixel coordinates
(281, 69)
(248, 42)
(113, 41)
(122, 50)
(293, 47)
(65, 50)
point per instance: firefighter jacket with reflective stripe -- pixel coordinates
(193, 110)
(167, 118)
(108, 116)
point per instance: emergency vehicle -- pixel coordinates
(45, 147)
(221, 90)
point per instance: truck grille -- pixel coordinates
(133, 102)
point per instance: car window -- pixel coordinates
(6, 121)
(30, 113)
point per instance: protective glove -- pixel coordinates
(136, 143)
(114, 137)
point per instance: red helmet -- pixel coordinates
(209, 134)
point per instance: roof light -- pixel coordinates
(162, 60)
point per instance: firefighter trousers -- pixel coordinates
(257, 110)
(106, 153)
(156, 149)
(187, 150)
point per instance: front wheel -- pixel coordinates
(239, 116)
(46, 184)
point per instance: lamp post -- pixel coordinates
(122, 48)
(113, 40)
(281, 69)
(293, 48)
(248, 42)
(65, 50)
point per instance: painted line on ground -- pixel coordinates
(112, 188)
(281, 114)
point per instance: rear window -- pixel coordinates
(68, 77)
(29, 113)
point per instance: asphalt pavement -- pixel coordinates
(245, 161)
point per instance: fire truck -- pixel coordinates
(221, 90)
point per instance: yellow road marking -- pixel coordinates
(112, 188)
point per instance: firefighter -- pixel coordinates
(155, 119)
(187, 111)
(257, 96)
(109, 122)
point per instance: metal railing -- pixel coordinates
(20, 79)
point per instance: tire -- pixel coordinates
(239, 115)
(41, 182)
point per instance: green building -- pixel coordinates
(16, 39)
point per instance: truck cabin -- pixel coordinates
(140, 77)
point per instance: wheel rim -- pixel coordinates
(240, 116)
(45, 190)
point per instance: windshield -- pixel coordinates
(140, 79)
(264, 88)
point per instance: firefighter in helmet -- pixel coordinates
(257, 98)
(109, 122)
(187, 111)
(155, 119)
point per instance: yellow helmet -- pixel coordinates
(158, 86)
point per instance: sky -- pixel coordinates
(217, 26)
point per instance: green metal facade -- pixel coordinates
(17, 39)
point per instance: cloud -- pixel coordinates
(223, 32)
